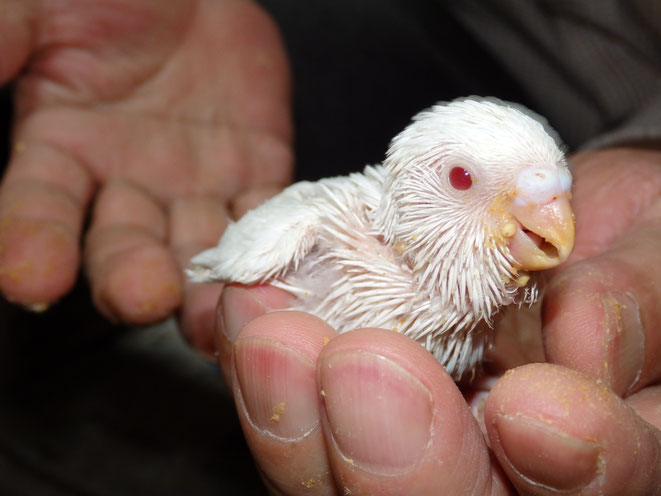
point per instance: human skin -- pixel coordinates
(157, 121)
(150, 118)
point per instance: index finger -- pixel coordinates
(601, 314)
(396, 423)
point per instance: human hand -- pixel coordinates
(366, 412)
(372, 412)
(601, 311)
(153, 117)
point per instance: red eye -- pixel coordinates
(460, 178)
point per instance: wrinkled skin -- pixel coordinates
(152, 118)
(159, 120)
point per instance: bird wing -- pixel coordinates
(266, 241)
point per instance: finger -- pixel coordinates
(602, 314)
(251, 199)
(134, 276)
(43, 199)
(274, 382)
(197, 223)
(197, 317)
(16, 26)
(555, 430)
(238, 306)
(395, 421)
(476, 396)
(611, 189)
(647, 403)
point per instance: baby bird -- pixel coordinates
(472, 196)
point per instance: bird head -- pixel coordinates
(477, 196)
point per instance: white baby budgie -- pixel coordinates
(472, 195)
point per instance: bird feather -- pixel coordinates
(394, 246)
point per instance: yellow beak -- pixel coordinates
(542, 235)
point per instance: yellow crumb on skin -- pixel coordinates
(20, 147)
(400, 246)
(311, 482)
(326, 340)
(277, 412)
(322, 392)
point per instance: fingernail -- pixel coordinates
(239, 306)
(277, 388)
(379, 414)
(544, 456)
(624, 341)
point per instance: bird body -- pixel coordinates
(432, 243)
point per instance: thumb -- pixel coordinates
(396, 423)
(555, 430)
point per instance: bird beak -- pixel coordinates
(543, 232)
(538, 223)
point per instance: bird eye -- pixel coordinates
(460, 178)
